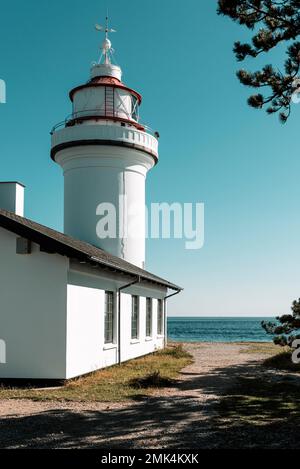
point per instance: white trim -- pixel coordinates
(135, 341)
(110, 346)
(117, 133)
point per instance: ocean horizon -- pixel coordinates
(218, 329)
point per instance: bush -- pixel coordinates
(176, 351)
(286, 328)
(153, 380)
(282, 361)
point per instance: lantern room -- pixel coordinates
(105, 98)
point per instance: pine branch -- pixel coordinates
(279, 21)
(286, 326)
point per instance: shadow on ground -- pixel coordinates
(244, 407)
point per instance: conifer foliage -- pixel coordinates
(272, 22)
(287, 328)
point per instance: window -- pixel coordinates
(135, 108)
(135, 313)
(109, 318)
(160, 317)
(149, 317)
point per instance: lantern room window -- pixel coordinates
(135, 108)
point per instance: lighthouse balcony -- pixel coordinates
(104, 133)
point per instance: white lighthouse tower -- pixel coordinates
(105, 153)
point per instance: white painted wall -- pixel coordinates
(86, 350)
(52, 318)
(32, 312)
(95, 175)
(85, 331)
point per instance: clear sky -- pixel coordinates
(242, 164)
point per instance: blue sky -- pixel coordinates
(214, 149)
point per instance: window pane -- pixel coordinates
(160, 318)
(135, 318)
(149, 317)
(135, 108)
(109, 318)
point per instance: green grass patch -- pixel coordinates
(257, 402)
(260, 348)
(118, 383)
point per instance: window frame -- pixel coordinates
(149, 318)
(109, 302)
(160, 317)
(134, 108)
(135, 317)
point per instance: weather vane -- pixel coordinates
(107, 49)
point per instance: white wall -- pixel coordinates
(85, 332)
(12, 197)
(86, 350)
(32, 312)
(142, 346)
(96, 175)
(52, 318)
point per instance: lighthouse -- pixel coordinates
(105, 153)
(85, 290)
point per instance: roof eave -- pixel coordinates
(55, 246)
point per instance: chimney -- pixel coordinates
(12, 197)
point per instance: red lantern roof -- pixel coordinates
(105, 81)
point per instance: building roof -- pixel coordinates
(107, 81)
(53, 241)
(13, 182)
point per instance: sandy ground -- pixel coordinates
(179, 417)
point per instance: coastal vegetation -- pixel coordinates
(273, 24)
(286, 329)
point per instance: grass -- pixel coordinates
(257, 402)
(152, 380)
(262, 410)
(118, 383)
(259, 414)
(264, 348)
(282, 361)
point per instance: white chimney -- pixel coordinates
(12, 197)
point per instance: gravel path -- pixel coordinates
(178, 417)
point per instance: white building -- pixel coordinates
(73, 303)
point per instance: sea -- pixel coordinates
(218, 329)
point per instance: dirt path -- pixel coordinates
(179, 417)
